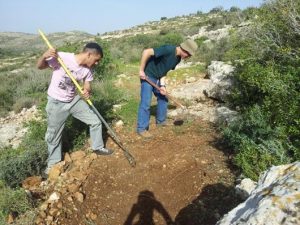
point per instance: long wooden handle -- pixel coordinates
(168, 95)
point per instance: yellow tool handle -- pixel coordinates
(65, 68)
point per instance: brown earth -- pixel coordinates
(181, 177)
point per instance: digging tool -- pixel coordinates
(183, 108)
(169, 96)
(128, 156)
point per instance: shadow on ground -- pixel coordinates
(214, 201)
(143, 210)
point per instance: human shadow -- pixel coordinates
(214, 201)
(144, 209)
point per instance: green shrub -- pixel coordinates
(216, 23)
(267, 90)
(257, 143)
(6, 100)
(13, 201)
(21, 90)
(129, 49)
(28, 159)
(17, 165)
(217, 9)
(252, 160)
(234, 9)
(214, 50)
(23, 102)
(107, 66)
(105, 96)
(32, 83)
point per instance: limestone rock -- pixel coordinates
(275, 200)
(221, 80)
(245, 188)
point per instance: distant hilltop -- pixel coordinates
(27, 43)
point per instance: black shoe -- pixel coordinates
(104, 151)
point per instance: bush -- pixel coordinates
(258, 145)
(267, 90)
(129, 49)
(105, 96)
(13, 201)
(216, 9)
(216, 23)
(252, 160)
(23, 102)
(24, 89)
(107, 66)
(212, 50)
(234, 9)
(19, 164)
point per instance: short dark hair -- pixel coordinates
(93, 47)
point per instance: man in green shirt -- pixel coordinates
(155, 64)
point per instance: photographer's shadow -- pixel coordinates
(144, 209)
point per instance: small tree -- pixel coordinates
(234, 9)
(216, 9)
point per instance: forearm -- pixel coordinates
(87, 86)
(41, 63)
(86, 90)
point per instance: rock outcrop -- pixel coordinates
(12, 129)
(274, 201)
(207, 96)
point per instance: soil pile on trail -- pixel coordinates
(181, 176)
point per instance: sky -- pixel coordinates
(99, 16)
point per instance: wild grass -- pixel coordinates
(181, 74)
(23, 89)
(14, 201)
(128, 112)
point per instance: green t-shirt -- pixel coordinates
(164, 60)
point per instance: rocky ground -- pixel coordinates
(182, 175)
(12, 127)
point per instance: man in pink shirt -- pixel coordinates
(63, 99)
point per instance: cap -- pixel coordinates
(190, 46)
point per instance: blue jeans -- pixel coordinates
(58, 113)
(145, 103)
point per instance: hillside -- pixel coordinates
(22, 43)
(241, 117)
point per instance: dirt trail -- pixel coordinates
(181, 175)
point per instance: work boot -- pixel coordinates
(104, 151)
(145, 134)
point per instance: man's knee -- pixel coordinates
(96, 123)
